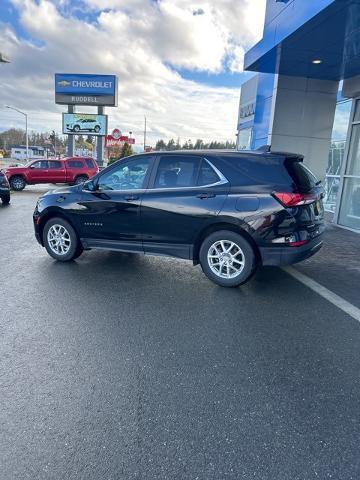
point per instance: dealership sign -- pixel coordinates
(247, 110)
(84, 124)
(84, 89)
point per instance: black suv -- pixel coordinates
(229, 211)
(4, 188)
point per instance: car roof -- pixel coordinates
(75, 157)
(202, 152)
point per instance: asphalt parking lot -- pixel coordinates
(121, 366)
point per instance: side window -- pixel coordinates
(75, 164)
(42, 164)
(89, 163)
(207, 175)
(127, 175)
(176, 171)
(54, 164)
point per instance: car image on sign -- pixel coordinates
(86, 125)
(77, 123)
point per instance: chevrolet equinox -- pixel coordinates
(229, 211)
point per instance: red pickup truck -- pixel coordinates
(72, 170)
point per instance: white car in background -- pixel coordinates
(84, 125)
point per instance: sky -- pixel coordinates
(179, 62)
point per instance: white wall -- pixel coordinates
(302, 119)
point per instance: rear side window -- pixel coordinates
(54, 164)
(75, 164)
(176, 171)
(303, 178)
(89, 162)
(207, 175)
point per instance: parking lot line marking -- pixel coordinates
(332, 297)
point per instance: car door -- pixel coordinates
(109, 217)
(39, 171)
(185, 193)
(57, 172)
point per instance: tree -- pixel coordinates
(114, 154)
(199, 144)
(160, 145)
(171, 144)
(126, 150)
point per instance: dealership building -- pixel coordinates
(305, 95)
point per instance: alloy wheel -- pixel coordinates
(17, 183)
(226, 259)
(59, 239)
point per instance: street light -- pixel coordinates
(26, 128)
(3, 59)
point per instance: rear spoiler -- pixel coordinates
(295, 157)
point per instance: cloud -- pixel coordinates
(145, 45)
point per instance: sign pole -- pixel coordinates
(100, 143)
(71, 138)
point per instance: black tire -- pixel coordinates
(17, 183)
(80, 179)
(76, 128)
(75, 248)
(229, 262)
(5, 199)
(97, 129)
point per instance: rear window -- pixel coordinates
(89, 162)
(303, 178)
(267, 170)
(75, 164)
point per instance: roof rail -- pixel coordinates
(264, 149)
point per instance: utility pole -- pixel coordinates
(145, 134)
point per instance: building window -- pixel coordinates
(244, 139)
(336, 155)
(349, 212)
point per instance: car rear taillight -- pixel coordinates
(297, 244)
(294, 199)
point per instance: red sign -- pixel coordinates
(116, 133)
(111, 141)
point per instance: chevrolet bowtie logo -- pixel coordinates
(64, 83)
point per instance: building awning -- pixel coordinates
(311, 39)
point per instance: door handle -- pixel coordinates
(206, 195)
(131, 198)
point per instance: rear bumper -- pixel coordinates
(290, 255)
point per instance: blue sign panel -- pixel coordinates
(84, 84)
